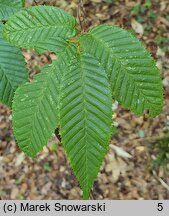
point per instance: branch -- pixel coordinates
(81, 15)
(57, 134)
(34, 1)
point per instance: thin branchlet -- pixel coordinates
(81, 15)
(35, 2)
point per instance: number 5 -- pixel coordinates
(160, 207)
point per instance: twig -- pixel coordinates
(35, 2)
(81, 15)
(92, 194)
(150, 139)
(165, 185)
(57, 134)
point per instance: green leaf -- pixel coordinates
(134, 77)
(86, 117)
(37, 25)
(55, 45)
(36, 106)
(13, 71)
(8, 8)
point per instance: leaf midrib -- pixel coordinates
(85, 124)
(42, 27)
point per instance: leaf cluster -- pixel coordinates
(75, 92)
(13, 71)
